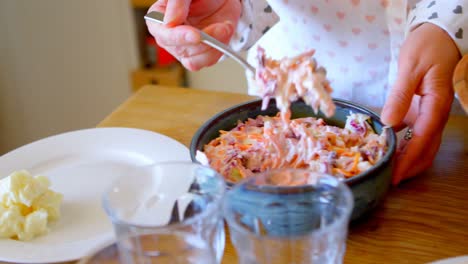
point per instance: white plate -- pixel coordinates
(455, 260)
(81, 165)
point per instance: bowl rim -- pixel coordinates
(382, 163)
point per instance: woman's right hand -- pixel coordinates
(182, 18)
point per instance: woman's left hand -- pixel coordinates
(421, 97)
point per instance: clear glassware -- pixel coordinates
(168, 213)
(289, 216)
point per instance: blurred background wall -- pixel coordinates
(65, 65)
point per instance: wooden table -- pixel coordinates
(421, 220)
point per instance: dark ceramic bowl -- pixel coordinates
(368, 188)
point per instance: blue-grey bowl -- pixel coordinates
(369, 188)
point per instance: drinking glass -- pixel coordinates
(289, 216)
(168, 213)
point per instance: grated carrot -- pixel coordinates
(244, 147)
(357, 157)
(345, 173)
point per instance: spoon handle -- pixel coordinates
(209, 40)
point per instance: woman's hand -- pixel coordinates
(421, 97)
(179, 35)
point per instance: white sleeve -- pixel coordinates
(256, 19)
(450, 15)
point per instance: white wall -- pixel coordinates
(64, 65)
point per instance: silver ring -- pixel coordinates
(408, 134)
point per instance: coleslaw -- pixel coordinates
(290, 79)
(266, 142)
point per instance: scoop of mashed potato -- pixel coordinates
(27, 205)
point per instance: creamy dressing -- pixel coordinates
(267, 143)
(290, 79)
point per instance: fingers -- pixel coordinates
(424, 83)
(400, 126)
(176, 12)
(209, 56)
(417, 153)
(168, 34)
(159, 6)
(197, 62)
(177, 36)
(406, 157)
(404, 168)
(411, 115)
(433, 114)
(184, 43)
(401, 95)
(429, 156)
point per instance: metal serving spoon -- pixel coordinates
(158, 17)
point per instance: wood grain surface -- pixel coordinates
(422, 220)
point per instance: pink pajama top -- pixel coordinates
(356, 41)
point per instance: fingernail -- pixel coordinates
(167, 21)
(386, 119)
(229, 22)
(192, 37)
(171, 21)
(223, 30)
(230, 26)
(383, 117)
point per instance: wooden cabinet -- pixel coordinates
(142, 3)
(170, 76)
(149, 72)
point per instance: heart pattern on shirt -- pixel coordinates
(458, 10)
(343, 43)
(340, 15)
(370, 18)
(327, 27)
(372, 74)
(357, 84)
(459, 34)
(356, 31)
(355, 2)
(422, 14)
(265, 29)
(433, 16)
(314, 10)
(358, 34)
(350, 30)
(372, 46)
(384, 3)
(358, 58)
